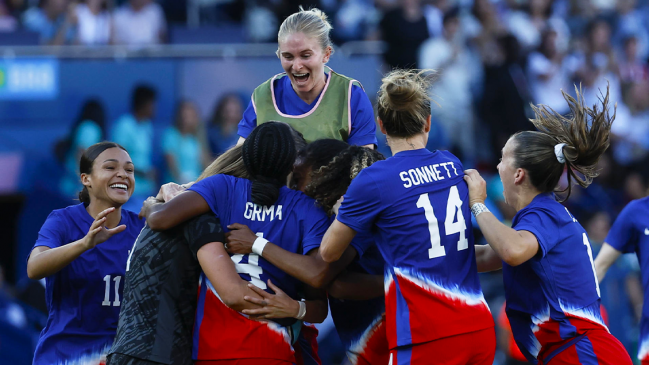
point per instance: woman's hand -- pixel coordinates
(98, 233)
(170, 190)
(240, 239)
(279, 305)
(150, 201)
(477, 187)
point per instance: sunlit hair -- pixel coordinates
(585, 132)
(330, 182)
(229, 162)
(313, 23)
(404, 103)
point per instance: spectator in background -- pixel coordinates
(528, 24)
(631, 22)
(548, 74)
(404, 29)
(222, 130)
(482, 27)
(632, 68)
(596, 67)
(7, 22)
(54, 20)
(88, 129)
(140, 23)
(94, 23)
(134, 131)
(185, 153)
(457, 69)
(504, 107)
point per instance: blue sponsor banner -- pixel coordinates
(23, 79)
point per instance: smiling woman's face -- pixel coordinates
(112, 177)
(303, 60)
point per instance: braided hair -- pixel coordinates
(268, 154)
(330, 182)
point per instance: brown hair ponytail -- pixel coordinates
(585, 133)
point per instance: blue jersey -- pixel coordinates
(83, 298)
(294, 223)
(416, 205)
(363, 125)
(630, 233)
(355, 318)
(554, 296)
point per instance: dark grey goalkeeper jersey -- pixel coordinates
(157, 313)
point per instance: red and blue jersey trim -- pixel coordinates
(421, 309)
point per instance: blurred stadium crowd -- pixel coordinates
(494, 58)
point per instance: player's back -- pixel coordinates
(556, 292)
(422, 227)
(292, 222)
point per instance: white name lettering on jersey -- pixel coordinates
(427, 174)
(258, 213)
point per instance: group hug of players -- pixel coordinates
(304, 215)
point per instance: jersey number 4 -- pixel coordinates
(453, 205)
(252, 268)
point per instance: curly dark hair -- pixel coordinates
(330, 182)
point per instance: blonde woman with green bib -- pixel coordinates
(312, 98)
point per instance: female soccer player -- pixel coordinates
(324, 170)
(317, 102)
(273, 211)
(81, 250)
(552, 291)
(630, 233)
(415, 204)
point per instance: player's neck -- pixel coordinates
(97, 206)
(406, 144)
(524, 198)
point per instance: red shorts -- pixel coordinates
(243, 362)
(473, 348)
(376, 350)
(594, 347)
(306, 348)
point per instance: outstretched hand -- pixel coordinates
(477, 187)
(240, 239)
(98, 233)
(278, 305)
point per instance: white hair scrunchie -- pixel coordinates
(558, 151)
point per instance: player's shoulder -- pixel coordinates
(70, 213)
(544, 207)
(637, 205)
(132, 221)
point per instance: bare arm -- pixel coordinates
(514, 247)
(45, 261)
(335, 241)
(487, 259)
(606, 257)
(220, 270)
(357, 286)
(162, 216)
(310, 269)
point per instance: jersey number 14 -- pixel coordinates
(453, 205)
